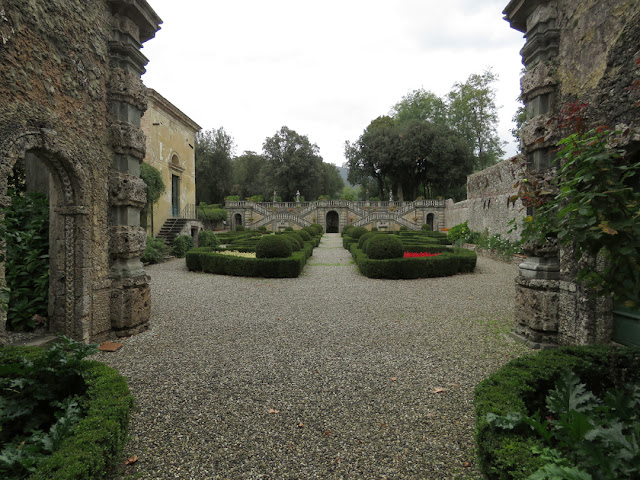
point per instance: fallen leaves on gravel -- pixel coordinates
(273, 410)
(439, 390)
(130, 460)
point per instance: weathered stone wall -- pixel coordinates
(577, 52)
(489, 206)
(69, 69)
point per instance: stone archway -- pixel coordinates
(431, 220)
(70, 258)
(333, 222)
(237, 220)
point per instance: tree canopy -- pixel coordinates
(213, 150)
(428, 144)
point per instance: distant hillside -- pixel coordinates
(343, 173)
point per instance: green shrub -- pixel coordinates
(521, 387)
(240, 228)
(374, 229)
(426, 228)
(357, 232)
(25, 231)
(403, 228)
(207, 238)
(304, 235)
(293, 242)
(459, 232)
(262, 229)
(297, 237)
(364, 238)
(232, 198)
(273, 246)
(88, 403)
(211, 213)
(154, 251)
(318, 228)
(311, 231)
(345, 230)
(380, 247)
(182, 245)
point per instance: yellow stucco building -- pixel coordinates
(170, 148)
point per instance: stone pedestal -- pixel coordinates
(537, 302)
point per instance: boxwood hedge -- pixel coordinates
(522, 385)
(96, 445)
(451, 261)
(207, 260)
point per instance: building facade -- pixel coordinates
(170, 149)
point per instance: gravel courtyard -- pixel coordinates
(328, 376)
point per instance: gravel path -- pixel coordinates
(328, 376)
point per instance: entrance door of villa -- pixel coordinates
(175, 196)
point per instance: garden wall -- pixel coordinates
(489, 206)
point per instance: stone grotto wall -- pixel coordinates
(71, 95)
(581, 52)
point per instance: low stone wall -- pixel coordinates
(488, 206)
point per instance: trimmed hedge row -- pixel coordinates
(452, 261)
(96, 446)
(522, 385)
(209, 261)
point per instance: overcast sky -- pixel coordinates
(323, 68)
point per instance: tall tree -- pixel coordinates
(293, 164)
(247, 177)
(420, 105)
(332, 183)
(213, 149)
(373, 154)
(473, 113)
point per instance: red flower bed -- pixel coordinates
(420, 254)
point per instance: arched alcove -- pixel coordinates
(48, 159)
(333, 221)
(431, 220)
(237, 220)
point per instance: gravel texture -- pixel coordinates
(328, 376)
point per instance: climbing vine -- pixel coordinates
(593, 204)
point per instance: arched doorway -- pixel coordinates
(430, 220)
(40, 158)
(237, 220)
(333, 222)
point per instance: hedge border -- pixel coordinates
(451, 262)
(97, 443)
(524, 383)
(211, 262)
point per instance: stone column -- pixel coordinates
(133, 23)
(538, 284)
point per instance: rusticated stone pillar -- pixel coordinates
(133, 23)
(537, 286)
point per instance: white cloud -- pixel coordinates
(324, 69)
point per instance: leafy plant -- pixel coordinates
(207, 238)
(41, 402)
(181, 245)
(25, 231)
(460, 231)
(154, 251)
(587, 437)
(596, 210)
